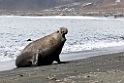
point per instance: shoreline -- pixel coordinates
(64, 17)
(94, 13)
(88, 70)
(72, 56)
(104, 16)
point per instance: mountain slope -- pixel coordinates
(52, 4)
(92, 4)
(32, 4)
(62, 7)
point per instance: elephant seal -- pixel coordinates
(43, 51)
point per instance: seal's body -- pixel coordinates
(44, 50)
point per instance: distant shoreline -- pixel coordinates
(64, 13)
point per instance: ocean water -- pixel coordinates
(85, 33)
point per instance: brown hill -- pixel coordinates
(93, 4)
(60, 4)
(32, 4)
(61, 7)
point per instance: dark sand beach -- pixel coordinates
(108, 68)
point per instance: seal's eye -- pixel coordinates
(57, 31)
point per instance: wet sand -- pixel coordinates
(99, 69)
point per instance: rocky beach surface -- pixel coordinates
(100, 69)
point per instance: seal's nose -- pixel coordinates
(63, 30)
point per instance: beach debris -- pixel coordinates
(97, 69)
(48, 77)
(42, 70)
(88, 76)
(95, 82)
(29, 40)
(51, 78)
(58, 80)
(120, 57)
(20, 75)
(75, 70)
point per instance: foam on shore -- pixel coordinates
(8, 65)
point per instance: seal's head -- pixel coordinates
(63, 31)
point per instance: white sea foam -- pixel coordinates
(85, 33)
(91, 46)
(13, 53)
(9, 53)
(58, 17)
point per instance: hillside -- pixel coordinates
(32, 4)
(61, 7)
